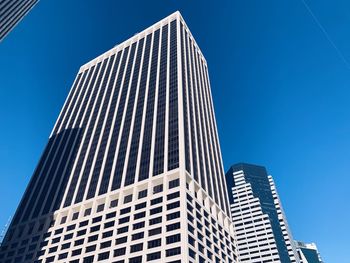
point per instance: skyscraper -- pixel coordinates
(132, 171)
(308, 252)
(260, 224)
(11, 13)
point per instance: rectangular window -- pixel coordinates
(142, 194)
(136, 247)
(173, 251)
(155, 231)
(173, 239)
(153, 256)
(174, 183)
(154, 243)
(156, 220)
(127, 199)
(172, 227)
(157, 189)
(173, 216)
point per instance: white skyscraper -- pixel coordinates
(260, 225)
(132, 171)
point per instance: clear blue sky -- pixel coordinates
(280, 89)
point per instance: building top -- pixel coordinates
(143, 33)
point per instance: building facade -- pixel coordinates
(308, 252)
(260, 224)
(11, 13)
(132, 171)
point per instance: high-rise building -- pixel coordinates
(11, 13)
(132, 171)
(260, 225)
(308, 252)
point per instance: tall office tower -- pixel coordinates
(132, 171)
(11, 13)
(308, 252)
(260, 225)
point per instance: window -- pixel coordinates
(107, 234)
(103, 256)
(75, 216)
(89, 259)
(119, 252)
(157, 189)
(122, 229)
(154, 243)
(138, 225)
(105, 244)
(173, 251)
(63, 255)
(136, 247)
(84, 223)
(70, 227)
(100, 208)
(173, 195)
(173, 205)
(69, 236)
(142, 194)
(127, 199)
(156, 210)
(76, 252)
(97, 219)
(64, 220)
(125, 211)
(137, 236)
(120, 240)
(124, 220)
(139, 215)
(135, 260)
(111, 215)
(153, 256)
(93, 238)
(140, 206)
(173, 239)
(173, 216)
(81, 232)
(172, 227)
(87, 212)
(157, 200)
(109, 224)
(79, 242)
(155, 231)
(156, 220)
(90, 248)
(65, 246)
(114, 203)
(95, 228)
(174, 183)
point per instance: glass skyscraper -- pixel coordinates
(260, 225)
(11, 13)
(132, 171)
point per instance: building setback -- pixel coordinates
(11, 13)
(132, 171)
(308, 252)
(260, 225)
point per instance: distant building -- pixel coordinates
(11, 13)
(259, 222)
(308, 252)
